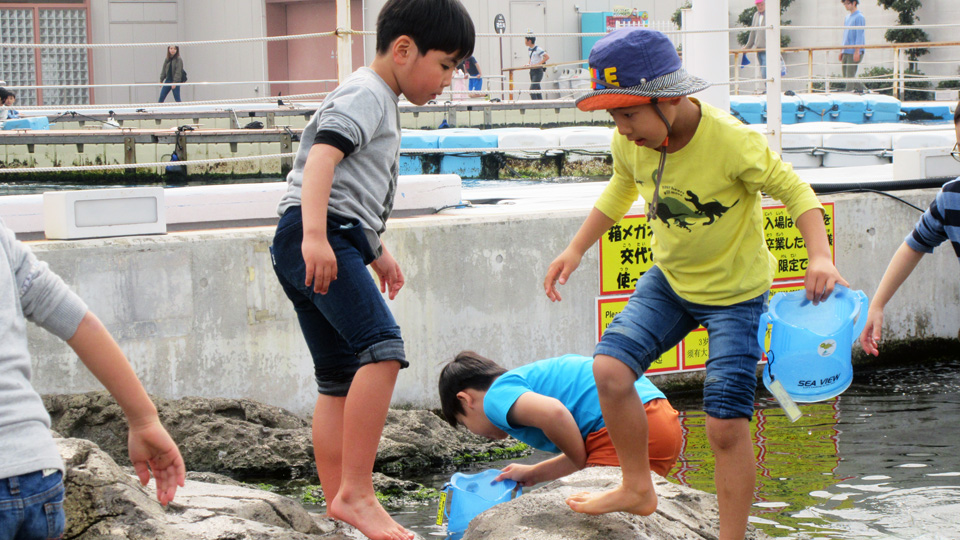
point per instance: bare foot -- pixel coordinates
(642, 503)
(366, 514)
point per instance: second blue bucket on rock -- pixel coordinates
(467, 495)
(810, 345)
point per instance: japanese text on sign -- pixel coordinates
(625, 252)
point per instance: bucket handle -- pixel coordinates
(765, 319)
(861, 315)
(443, 513)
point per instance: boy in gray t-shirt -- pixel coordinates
(31, 471)
(340, 193)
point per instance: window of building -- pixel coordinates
(31, 22)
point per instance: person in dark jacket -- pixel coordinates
(171, 72)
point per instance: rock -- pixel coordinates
(104, 502)
(682, 513)
(276, 444)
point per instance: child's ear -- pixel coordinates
(404, 49)
(465, 399)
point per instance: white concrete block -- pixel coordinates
(427, 192)
(918, 163)
(98, 213)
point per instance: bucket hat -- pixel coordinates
(635, 66)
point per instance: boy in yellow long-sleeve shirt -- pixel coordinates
(701, 173)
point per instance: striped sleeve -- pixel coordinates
(940, 222)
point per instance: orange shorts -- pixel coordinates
(664, 435)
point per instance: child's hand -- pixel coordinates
(870, 337)
(521, 474)
(321, 263)
(152, 450)
(820, 278)
(389, 271)
(560, 270)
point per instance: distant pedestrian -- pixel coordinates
(538, 57)
(172, 74)
(851, 57)
(472, 68)
(758, 36)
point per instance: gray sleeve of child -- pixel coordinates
(45, 298)
(356, 113)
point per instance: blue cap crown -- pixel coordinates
(631, 56)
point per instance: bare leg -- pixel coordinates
(365, 411)
(328, 442)
(626, 422)
(735, 475)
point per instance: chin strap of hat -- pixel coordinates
(655, 203)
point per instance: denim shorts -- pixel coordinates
(351, 325)
(31, 506)
(655, 319)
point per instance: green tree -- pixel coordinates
(907, 10)
(746, 17)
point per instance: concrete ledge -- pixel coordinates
(198, 207)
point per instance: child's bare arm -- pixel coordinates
(545, 471)
(821, 274)
(557, 423)
(315, 195)
(150, 446)
(560, 269)
(900, 267)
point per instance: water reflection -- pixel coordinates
(880, 461)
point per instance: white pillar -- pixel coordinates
(774, 112)
(344, 41)
(707, 55)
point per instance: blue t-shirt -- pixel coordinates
(568, 379)
(851, 34)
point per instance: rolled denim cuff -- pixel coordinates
(391, 349)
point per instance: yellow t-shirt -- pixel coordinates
(708, 238)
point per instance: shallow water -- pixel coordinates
(880, 461)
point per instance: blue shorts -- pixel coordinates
(351, 325)
(476, 84)
(31, 506)
(655, 319)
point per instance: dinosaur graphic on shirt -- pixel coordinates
(713, 209)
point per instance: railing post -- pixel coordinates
(898, 84)
(736, 72)
(344, 41)
(774, 110)
(810, 71)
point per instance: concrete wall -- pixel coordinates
(201, 313)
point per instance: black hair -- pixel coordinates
(442, 25)
(174, 55)
(956, 114)
(467, 370)
(532, 39)
(4, 94)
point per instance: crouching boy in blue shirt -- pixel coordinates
(553, 406)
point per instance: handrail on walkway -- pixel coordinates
(898, 58)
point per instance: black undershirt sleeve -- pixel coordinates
(336, 140)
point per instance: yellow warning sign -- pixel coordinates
(625, 252)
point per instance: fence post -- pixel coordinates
(810, 71)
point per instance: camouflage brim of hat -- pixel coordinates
(634, 66)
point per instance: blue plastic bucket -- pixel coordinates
(810, 344)
(467, 495)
